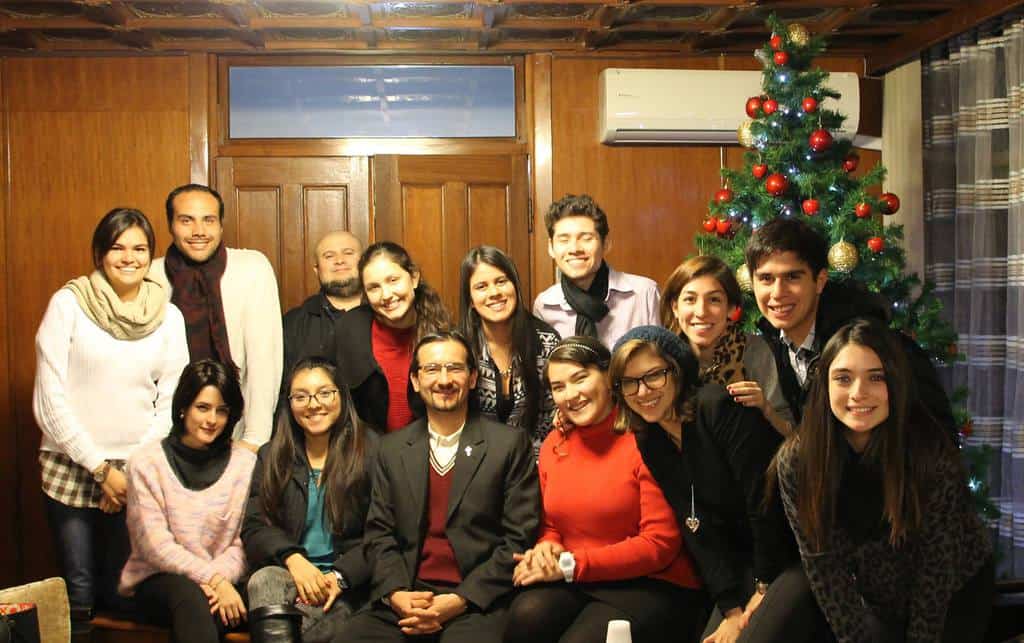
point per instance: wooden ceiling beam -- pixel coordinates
(54, 24)
(721, 18)
(425, 23)
(303, 22)
(113, 14)
(134, 39)
(200, 23)
(935, 31)
(241, 14)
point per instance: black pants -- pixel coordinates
(579, 613)
(970, 608)
(379, 624)
(177, 602)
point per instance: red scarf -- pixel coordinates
(196, 292)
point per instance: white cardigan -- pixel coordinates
(97, 398)
(252, 313)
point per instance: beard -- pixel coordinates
(347, 288)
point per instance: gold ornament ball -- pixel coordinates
(843, 256)
(744, 135)
(743, 278)
(798, 34)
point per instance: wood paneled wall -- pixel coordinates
(83, 135)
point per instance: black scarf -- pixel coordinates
(197, 469)
(588, 304)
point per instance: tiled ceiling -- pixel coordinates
(885, 32)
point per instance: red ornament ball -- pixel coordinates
(850, 162)
(781, 58)
(723, 226)
(862, 210)
(723, 196)
(810, 207)
(775, 184)
(710, 224)
(809, 105)
(759, 170)
(876, 244)
(820, 140)
(753, 106)
(770, 106)
(967, 429)
(890, 203)
(736, 314)
(775, 41)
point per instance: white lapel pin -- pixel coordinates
(469, 451)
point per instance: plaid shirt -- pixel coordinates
(801, 357)
(69, 483)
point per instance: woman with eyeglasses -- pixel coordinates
(186, 497)
(609, 547)
(303, 527)
(697, 303)
(709, 456)
(375, 340)
(511, 344)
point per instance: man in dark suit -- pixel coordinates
(454, 497)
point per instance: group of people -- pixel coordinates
(366, 469)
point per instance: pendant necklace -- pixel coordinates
(692, 521)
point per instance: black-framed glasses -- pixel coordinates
(653, 380)
(433, 369)
(305, 399)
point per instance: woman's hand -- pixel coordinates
(333, 589)
(109, 506)
(748, 393)
(229, 604)
(538, 565)
(310, 582)
(752, 605)
(729, 629)
(211, 597)
(115, 486)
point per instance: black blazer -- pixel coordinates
(269, 544)
(360, 371)
(725, 452)
(493, 510)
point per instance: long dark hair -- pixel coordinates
(901, 450)
(525, 344)
(344, 475)
(194, 378)
(431, 315)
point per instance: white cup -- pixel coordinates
(618, 632)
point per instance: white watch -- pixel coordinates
(567, 565)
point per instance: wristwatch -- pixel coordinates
(760, 586)
(567, 565)
(100, 474)
(342, 583)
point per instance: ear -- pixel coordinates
(416, 281)
(606, 244)
(415, 379)
(821, 280)
(316, 270)
(472, 380)
(551, 249)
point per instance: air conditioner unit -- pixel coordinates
(695, 105)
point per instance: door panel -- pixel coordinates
(283, 206)
(438, 207)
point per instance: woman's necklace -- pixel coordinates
(692, 521)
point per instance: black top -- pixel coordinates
(725, 452)
(309, 330)
(197, 469)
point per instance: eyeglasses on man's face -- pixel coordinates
(434, 369)
(653, 380)
(305, 399)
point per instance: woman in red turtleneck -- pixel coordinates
(609, 547)
(375, 340)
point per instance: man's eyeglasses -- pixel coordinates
(304, 399)
(652, 380)
(454, 368)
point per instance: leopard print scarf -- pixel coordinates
(727, 358)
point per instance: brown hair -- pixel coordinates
(572, 205)
(700, 266)
(684, 375)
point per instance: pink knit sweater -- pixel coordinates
(176, 530)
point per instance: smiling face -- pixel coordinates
(337, 255)
(126, 262)
(317, 416)
(577, 248)
(443, 378)
(391, 291)
(787, 293)
(196, 225)
(492, 294)
(702, 310)
(205, 418)
(581, 393)
(652, 404)
(858, 393)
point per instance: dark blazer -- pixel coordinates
(269, 544)
(493, 510)
(361, 372)
(725, 452)
(309, 330)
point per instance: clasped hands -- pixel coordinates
(538, 565)
(115, 491)
(422, 612)
(224, 600)
(735, 620)
(316, 588)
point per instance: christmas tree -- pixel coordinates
(795, 167)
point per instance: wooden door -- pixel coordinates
(439, 207)
(283, 206)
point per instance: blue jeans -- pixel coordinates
(92, 548)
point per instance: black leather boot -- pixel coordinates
(81, 624)
(275, 624)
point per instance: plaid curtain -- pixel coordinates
(973, 109)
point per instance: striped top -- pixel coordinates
(176, 530)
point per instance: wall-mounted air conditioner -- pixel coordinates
(695, 105)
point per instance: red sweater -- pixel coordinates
(602, 504)
(437, 558)
(392, 348)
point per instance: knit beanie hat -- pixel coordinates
(667, 341)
